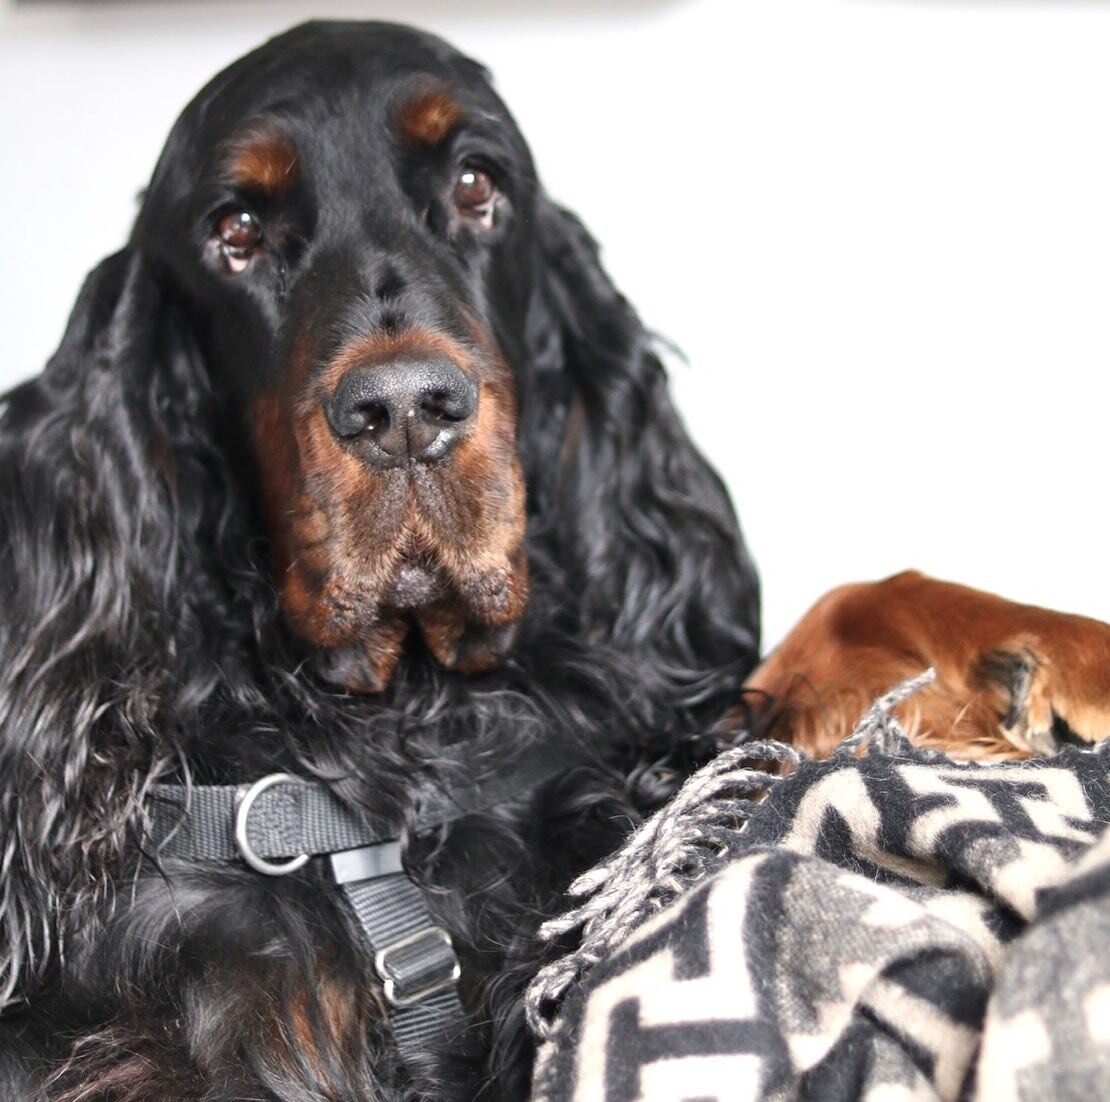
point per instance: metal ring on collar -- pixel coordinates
(247, 796)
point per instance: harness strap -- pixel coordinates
(284, 817)
(278, 823)
(414, 958)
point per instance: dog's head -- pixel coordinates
(346, 287)
(344, 207)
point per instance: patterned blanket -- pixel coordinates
(886, 926)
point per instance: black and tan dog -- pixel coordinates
(352, 465)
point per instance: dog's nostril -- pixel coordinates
(443, 406)
(376, 417)
(351, 419)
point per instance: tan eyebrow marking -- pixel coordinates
(428, 117)
(263, 160)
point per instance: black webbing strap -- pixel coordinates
(413, 958)
(275, 826)
(280, 816)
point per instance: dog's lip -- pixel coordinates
(414, 586)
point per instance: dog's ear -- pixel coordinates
(656, 558)
(91, 531)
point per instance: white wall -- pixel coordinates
(879, 230)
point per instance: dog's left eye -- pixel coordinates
(240, 234)
(475, 194)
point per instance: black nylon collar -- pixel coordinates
(286, 816)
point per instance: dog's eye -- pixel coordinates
(240, 235)
(475, 194)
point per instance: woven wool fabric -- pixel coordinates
(890, 927)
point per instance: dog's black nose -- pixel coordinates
(405, 411)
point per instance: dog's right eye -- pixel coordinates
(475, 195)
(240, 235)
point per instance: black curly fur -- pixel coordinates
(141, 642)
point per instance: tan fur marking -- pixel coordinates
(382, 348)
(427, 118)
(323, 1018)
(264, 161)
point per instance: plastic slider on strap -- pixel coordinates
(414, 967)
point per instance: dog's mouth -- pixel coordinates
(358, 581)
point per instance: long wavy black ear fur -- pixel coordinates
(98, 596)
(655, 561)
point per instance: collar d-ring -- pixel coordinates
(247, 796)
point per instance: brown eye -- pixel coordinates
(475, 193)
(240, 233)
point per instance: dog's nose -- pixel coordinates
(406, 411)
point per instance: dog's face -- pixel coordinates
(340, 206)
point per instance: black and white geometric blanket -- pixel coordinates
(887, 926)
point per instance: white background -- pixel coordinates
(879, 230)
